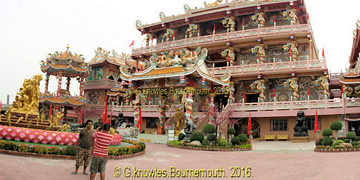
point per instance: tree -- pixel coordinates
(336, 126)
(217, 118)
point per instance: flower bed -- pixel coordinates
(69, 152)
(178, 144)
(44, 137)
(335, 149)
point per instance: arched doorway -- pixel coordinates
(241, 127)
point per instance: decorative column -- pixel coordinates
(189, 105)
(81, 86)
(136, 113)
(47, 83)
(259, 50)
(68, 84)
(292, 49)
(229, 54)
(231, 93)
(162, 117)
(290, 15)
(229, 24)
(59, 86)
(212, 109)
(260, 86)
(292, 85)
(323, 84)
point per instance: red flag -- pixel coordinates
(274, 92)
(243, 95)
(173, 36)
(228, 60)
(323, 53)
(140, 120)
(308, 91)
(307, 16)
(274, 19)
(132, 43)
(316, 125)
(243, 23)
(249, 124)
(104, 119)
(0, 106)
(214, 29)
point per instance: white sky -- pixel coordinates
(29, 30)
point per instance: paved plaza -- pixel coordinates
(282, 160)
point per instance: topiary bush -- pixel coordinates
(318, 141)
(209, 129)
(211, 137)
(243, 138)
(338, 142)
(197, 136)
(231, 131)
(181, 136)
(351, 135)
(222, 142)
(347, 140)
(327, 141)
(336, 125)
(205, 142)
(327, 132)
(354, 143)
(235, 141)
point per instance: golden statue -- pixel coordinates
(27, 100)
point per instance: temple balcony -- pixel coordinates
(99, 84)
(264, 109)
(241, 35)
(270, 68)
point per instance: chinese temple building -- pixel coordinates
(245, 57)
(66, 65)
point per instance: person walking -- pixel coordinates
(102, 140)
(84, 147)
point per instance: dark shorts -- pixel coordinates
(98, 164)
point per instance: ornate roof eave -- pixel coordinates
(70, 68)
(345, 82)
(69, 101)
(212, 9)
(196, 68)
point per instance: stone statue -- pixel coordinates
(301, 127)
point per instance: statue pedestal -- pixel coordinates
(301, 139)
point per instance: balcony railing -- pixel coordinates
(99, 84)
(223, 37)
(268, 68)
(296, 105)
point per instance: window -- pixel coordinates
(311, 123)
(279, 125)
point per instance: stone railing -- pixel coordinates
(295, 105)
(269, 68)
(99, 84)
(223, 37)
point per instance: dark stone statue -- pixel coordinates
(189, 129)
(301, 128)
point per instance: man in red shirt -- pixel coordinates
(102, 140)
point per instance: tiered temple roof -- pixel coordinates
(66, 63)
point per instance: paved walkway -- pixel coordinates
(267, 165)
(280, 146)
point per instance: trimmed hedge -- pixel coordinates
(336, 125)
(231, 131)
(209, 129)
(197, 136)
(327, 141)
(243, 138)
(235, 141)
(211, 137)
(327, 132)
(351, 135)
(222, 142)
(181, 136)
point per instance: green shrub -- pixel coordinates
(174, 142)
(354, 143)
(231, 131)
(222, 142)
(318, 142)
(243, 138)
(143, 146)
(197, 136)
(205, 142)
(54, 150)
(112, 151)
(327, 132)
(336, 125)
(181, 136)
(186, 142)
(235, 141)
(24, 148)
(351, 135)
(71, 150)
(63, 151)
(338, 142)
(347, 140)
(209, 129)
(211, 137)
(327, 141)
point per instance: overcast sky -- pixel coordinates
(29, 30)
